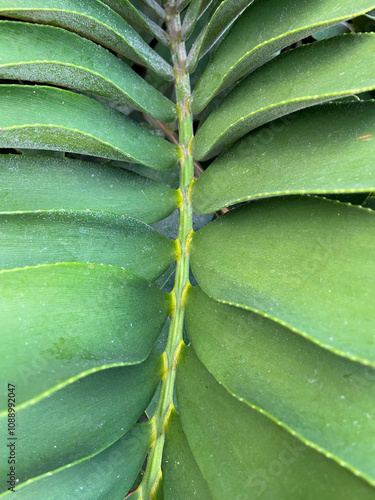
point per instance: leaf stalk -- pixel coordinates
(151, 483)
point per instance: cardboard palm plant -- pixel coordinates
(259, 380)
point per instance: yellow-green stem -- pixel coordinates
(152, 478)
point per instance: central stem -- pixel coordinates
(151, 482)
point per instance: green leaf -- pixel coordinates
(69, 320)
(302, 261)
(318, 150)
(65, 59)
(30, 183)
(263, 29)
(94, 20)
(182, 478)
(225, 14)
(194, 11)
(305, 76)
(239, 450)
(168, 177)
(136, 18)
(108, 475)
(50, 118)
(151, 4)
(95, 237)
(326, 400)
(183, 4)
(66, 417)
(274, 397)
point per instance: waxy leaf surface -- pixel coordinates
(135, 17)
(36, 117)
(67, 417)
(72, 319)
(305, 76)
(182, 478)
(326, 400)
(31, 183)
(91, 19)
(263, 29)
(221, 19)
(108, 475)
(318, 150)
(65, 59)
(95, 237)
(304, 262)
(238, 450)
